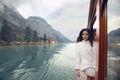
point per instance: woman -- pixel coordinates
(86, 56)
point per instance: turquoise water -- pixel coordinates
(37, 62)
(45, 62)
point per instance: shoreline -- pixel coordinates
(24, 43)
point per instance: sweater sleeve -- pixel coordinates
(78, 58)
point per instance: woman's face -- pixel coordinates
(85, 35)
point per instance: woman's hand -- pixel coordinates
(78, 72)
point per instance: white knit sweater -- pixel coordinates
(85, 55)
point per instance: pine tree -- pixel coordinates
(44, 37)
(28, 34)
(7, 33)
(35, 36)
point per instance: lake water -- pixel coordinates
(40, 62)
(37, 62)
(113, 64)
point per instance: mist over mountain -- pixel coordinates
(42, 27)
(11, 18)
(10, 14)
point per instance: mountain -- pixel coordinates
(42, 27)
(13, 19)
(114, 36)
(18, 24)
(115, 32)
(10, 14)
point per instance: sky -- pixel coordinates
(113, 15)
(66, 16)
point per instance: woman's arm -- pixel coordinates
(78, 61)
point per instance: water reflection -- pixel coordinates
(15, 59)
(27, 62)
(114, 64)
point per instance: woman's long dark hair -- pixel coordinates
(92, 33)
(90, 37)
(80, 38)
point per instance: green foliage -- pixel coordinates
(35, 36)
(44, 37)
(7, 33)
(28, 34)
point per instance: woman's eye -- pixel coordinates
(84, 34)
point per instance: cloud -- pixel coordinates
(27, 9)
(17, 3)
(40, 8)
(113, 7)
(71, 20)
(113, 24)
(113, 15)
